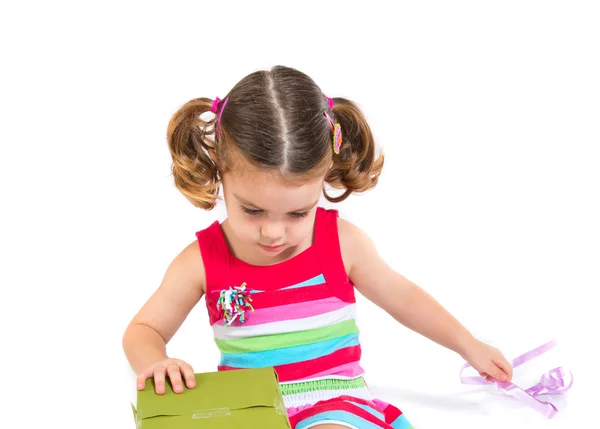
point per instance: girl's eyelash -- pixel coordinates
(256, 212)
(251, 211)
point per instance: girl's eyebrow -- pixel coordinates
(248, 203)
(307, 208)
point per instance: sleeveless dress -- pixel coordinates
(303, 325)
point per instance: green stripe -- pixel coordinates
(324, 384)
(279, 341)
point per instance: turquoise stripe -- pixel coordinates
(315, 281)
(401, 423)
(371, 410)
(340, 416)
(288, 355)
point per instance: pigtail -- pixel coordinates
(195, 174)
(357, 167)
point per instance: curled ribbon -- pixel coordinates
(234, 302)
(551, 383)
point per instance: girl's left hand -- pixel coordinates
(488, 361)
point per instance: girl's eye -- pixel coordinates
(258, 212)
(253, 212)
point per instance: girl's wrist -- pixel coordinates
(464, 344)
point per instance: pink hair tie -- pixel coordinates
(215, 105)
(330, 102)
(215, 108)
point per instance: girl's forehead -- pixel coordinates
(269, 190)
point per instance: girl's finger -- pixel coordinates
(159, 380)
(505, 367)
(141, 379)
(188, 373)
(175, 377)
(499, 374)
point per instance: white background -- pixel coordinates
(488, 113)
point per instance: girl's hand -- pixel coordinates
(174, 368)
(488, 361)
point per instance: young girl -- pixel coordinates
(274, 142)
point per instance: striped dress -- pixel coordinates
(303, 325)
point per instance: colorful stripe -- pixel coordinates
(288, 355)
(223, 332)
(315, 281)
(341, 411)
(300, 310)
(297, 371)
(283, 297)
(311, 339)
(341, 418)
(391, 412)
(348, 411)
(297, 403)
(292, 339)
(370, 409)
(318, 385)
(348, 370)
(401, 423)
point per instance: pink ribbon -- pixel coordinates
(551, 383)
(215, 108)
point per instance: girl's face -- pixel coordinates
(269, 219)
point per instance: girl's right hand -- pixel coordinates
(175, 368)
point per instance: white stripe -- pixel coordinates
(314, 322)
(323, 377)
(311, 398)
(330, 422)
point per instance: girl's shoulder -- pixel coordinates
(353, 242)
(188, 266)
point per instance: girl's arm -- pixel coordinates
(412, 306)
(147, 335)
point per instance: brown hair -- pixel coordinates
(274, 120)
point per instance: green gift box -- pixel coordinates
(245, 398)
